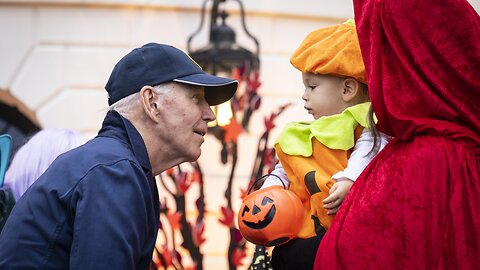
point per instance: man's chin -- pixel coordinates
(194, 156)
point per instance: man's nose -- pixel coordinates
(208, 114)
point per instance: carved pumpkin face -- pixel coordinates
(262, 217)
(266, 215)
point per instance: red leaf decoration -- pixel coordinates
(269, 156)
(243, 193)
(237, 256)
(170, 171)
(183, 183)
(177, 256)
(227, 217)
(253, 82)
(269, 122)
(241, 100)
(174, 219)
(196, 176)
(238, 237)
(197, 233)
(236, 74)
(255, 102)
(198, 202)
(283, 107)
(166, 255)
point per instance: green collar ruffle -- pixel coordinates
(335, 131)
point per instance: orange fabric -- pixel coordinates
(331, 51)
(324, 162)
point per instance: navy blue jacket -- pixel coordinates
(96, 207)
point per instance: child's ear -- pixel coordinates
(351, 87)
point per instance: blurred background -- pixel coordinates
(56, 56)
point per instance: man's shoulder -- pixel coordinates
(100, 156)
(100, 150)
(97, 153)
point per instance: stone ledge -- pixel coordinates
(320, 10)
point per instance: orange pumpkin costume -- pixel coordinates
(311, 153)
(311, 158)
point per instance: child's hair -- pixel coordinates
(375, 133)
(34, 157)
(372, 126)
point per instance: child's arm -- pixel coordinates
(274, 181)
(357, 162)
(361, 156)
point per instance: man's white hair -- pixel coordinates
(129, 103)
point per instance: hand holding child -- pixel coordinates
(337, 194)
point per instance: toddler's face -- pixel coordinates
(323, 95)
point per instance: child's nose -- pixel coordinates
(305, 96)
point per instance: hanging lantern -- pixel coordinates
(223, 54)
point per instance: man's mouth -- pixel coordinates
(201, 133)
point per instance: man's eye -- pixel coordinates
(197, 99)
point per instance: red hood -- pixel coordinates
(422, 80)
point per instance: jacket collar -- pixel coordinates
(116, 126)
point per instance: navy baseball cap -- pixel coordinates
(154, 64)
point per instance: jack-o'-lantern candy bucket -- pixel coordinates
(270, 216)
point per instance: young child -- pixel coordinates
(320, 160)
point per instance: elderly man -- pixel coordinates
(97, 207)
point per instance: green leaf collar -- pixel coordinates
(335, 131)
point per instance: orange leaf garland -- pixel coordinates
(174, 219)
(195, 177)
(232, 131)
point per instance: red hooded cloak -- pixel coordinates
(417, 205)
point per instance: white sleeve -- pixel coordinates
(275, 181)
(360, 156)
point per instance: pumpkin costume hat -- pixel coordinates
(331, 51)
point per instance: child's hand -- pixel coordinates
(337, 194)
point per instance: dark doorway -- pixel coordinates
(16, 124)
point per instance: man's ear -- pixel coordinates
(351, 87)
(150, 102)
